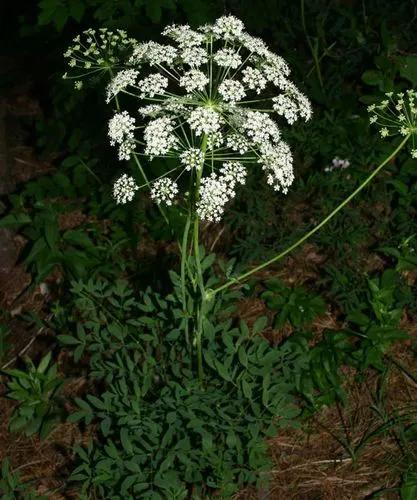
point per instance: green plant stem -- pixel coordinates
(282, 254)
(313, 49)
(200, 280)
(184, 256)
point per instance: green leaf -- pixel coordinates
(408, 68)
(15, 220)
(409, 487)
(43, 365)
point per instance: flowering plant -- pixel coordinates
(397, 115)
(206, 103)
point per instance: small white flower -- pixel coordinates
(292, 104)
(153, 85)
(204, 120)
(237, 143)
(124, 189)
(150, 110)
(183, 35)
(277, 162)
(260, 129)
(227, 58)
(231, 90)
(254, 79)
(153, 53)
(217, 190)
(194, 80)
(275, 69)
(338, 164)
(414, 153)
(121, 128)
(254, 44)
(214, 140)
(233, 172)
(122, 80)
(192, 158)
(194, 56)
(228, 27)
(159, 137)
(164, 191)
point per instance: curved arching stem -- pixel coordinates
(211, 293)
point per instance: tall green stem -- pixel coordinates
(184, 257)
(246, 275)
(200, 280)
(313, 49)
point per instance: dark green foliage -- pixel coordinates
(36, 390)
(161, 432)
(11, 486)
(295, 305)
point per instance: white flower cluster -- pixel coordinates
(397, 115)
(97, 49)
(152, 53)
(292, 104)
(338, 164)
(159, 137)
(217, 190)
(153, 85)
(124, 189)
(164, 190)
(204, 121)
(227, 58)
(192, 158)
(121, 81)
(231, 90)
(121, 132)
(194, 80)
(208, 98)
(277, 162)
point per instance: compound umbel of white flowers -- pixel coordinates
(217, 86)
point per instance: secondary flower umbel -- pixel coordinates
(207, 100)
(397, 115)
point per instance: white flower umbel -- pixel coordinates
(227, 58)
(231, 90)
(95, 51)
(194, 80)
(212, 100)
(217, 190)
(205, 121)
(397, 115)
(121, 81)
(153, 85)
(192, 158)
(164, 191)
(277, 162)
(124, 189)
(121, 132)
(159, 137)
